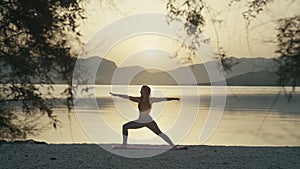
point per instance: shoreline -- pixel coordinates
(32, 154)
(32, 141)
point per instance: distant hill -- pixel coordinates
(123, 75)
(246, 65)
(104, 71)
(188, 74)
(153, 77)
(247, 71)
(261, 78)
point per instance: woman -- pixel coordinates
(144, 120)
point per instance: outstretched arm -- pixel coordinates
(155, 100)
(134, 99)
(120, 95)
(172, 98)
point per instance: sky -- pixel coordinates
(231, 34)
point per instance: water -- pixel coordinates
(252, 116)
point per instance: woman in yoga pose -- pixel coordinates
(144, 120)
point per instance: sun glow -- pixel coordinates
(148, 51)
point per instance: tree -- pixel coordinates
(288, 34)
(34, 39)
(192, 12)
(288, 40)
(289, 51)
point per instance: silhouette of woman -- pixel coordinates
(144, 120)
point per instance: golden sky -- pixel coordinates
(259, 40)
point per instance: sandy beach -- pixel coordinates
(32, 154)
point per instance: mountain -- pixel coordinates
(153, 77)
(193, 74)
(105, 72)
(261, 78)
(245, 71)
(101, 68)
(124, 75)
(246, 65)
(261, 70)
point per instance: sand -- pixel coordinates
(30, 154)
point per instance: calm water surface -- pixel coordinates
(252, 116)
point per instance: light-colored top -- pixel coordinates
(145, 108)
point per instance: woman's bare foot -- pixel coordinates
(123, 145)
(178, 147)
